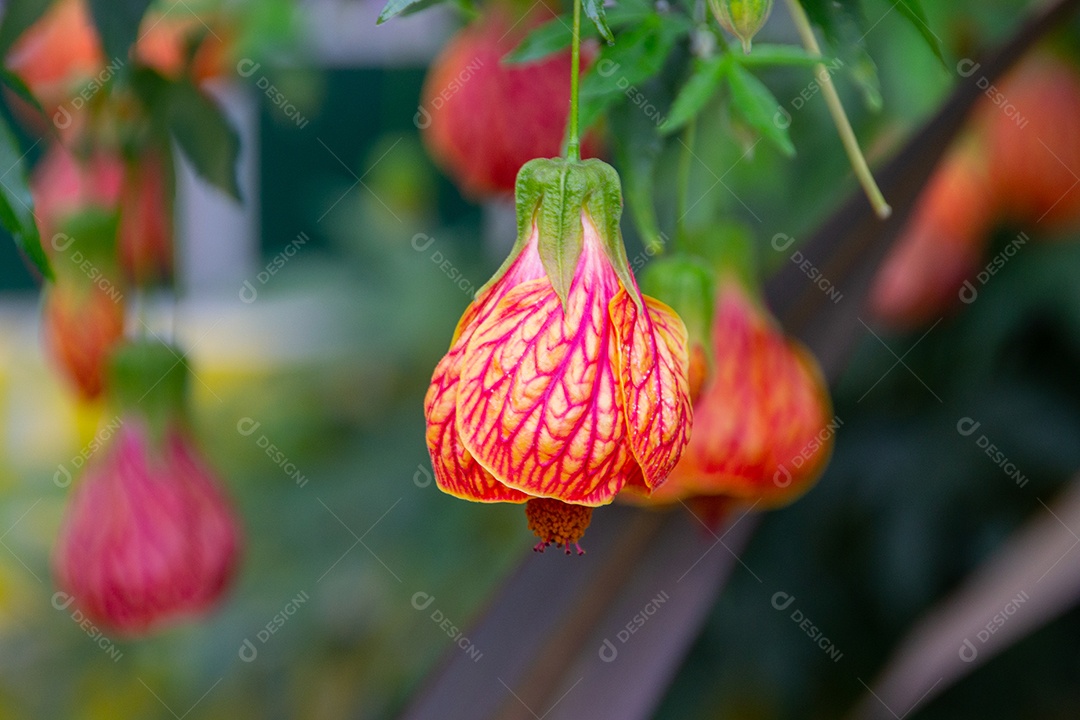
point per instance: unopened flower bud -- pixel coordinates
(742, 18)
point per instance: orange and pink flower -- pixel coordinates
(149, 537)
(562, 381)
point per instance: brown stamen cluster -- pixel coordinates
(554, 521)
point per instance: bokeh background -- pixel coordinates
(331, 360)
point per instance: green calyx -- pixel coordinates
(149, 378)
(742, 18)
(688, 285)
(728, 249)
(553, 194)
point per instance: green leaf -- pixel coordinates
(863, 70)
(18, 16)
(590, 109)
(767, 55)
(831, 15)
(205, 136)
(621, 69)
(16, 204)
(551, 37)
(556, 35)
(117, 23)
(696, 93)
(757, 105)
(394, 8)
(639, 54)
(913, 11)
(404, 8)
(594, 10)
(627, 13)
(637, 151)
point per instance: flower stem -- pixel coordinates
(682, 201)
(840, 119)
(573, 147)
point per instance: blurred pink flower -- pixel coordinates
(149, 536)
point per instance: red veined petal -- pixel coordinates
(456, 471)
(653, 379)
(538, 404)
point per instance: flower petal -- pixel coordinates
(538, 404)
(456, 471)
(653, 378)
(763, 424)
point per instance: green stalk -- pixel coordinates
(840, 119)
(573, 147)
(682, 200)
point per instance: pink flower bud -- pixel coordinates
(149, 537)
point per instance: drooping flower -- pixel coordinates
(58, 55)
(149, 537)
(1014, 164)
(166, 40)
(763, 428)
(482, 119)
(82, 324)
(137, 190)
(84, 309)
(941, 245)
(563, 384)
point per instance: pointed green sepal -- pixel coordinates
(551, 195)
